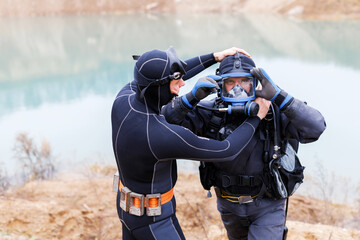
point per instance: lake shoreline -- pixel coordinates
(305, 9)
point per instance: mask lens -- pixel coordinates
(238, 87)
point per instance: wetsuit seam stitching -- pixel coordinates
(125, 224)
(153, 59)
(251, 126)
(148, 136)
(152, 232)
(135, 110)
(131, 89)
(252, 135)
(124, 95)
(202, 149)
(201, 61)
(153, 177)
(167, 61)
(209, 60)
(116, 142)
(172, 224)
(197, 65)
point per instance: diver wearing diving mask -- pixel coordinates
(238, 84)
(237, 87)
(249, 207)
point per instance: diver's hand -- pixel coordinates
(263, 107)
(219, 56)
(203, 87)
(270, 90)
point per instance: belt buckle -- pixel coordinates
(245, 199)
(150, 210)
(125, 199)
(136, 210)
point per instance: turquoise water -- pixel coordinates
(59, 76)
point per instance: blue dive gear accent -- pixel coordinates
(286, 100)
(277, 89)
(200, 85)
(236, 101)
(215, 77)
(185, 100)
(236, 74)
(247, 108)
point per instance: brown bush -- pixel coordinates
(37, 162)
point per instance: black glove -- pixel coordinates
(270, 90)
(203, 87)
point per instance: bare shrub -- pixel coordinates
(4, 181)
(335, 191)
(37, 162)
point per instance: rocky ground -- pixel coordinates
(320, 9)
(83, 207)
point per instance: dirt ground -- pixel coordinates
(319, 9)
(82, 206)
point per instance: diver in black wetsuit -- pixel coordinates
(249, 199)
(146, 146)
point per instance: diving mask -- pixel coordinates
(238, 89)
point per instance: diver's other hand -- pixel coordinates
(219, 56)
(263, 106)
(270, 90)
(203, 87)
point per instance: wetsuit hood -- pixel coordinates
(153, 72)
(238, 65)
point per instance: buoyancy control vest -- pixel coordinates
(275, 184)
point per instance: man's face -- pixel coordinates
(175, 86)
(243, 82)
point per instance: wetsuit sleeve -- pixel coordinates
(128, 89)
(302, 122)
(197, 64)
(176, 112)
(173, 141)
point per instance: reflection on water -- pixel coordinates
(52, 59)
(59, 75)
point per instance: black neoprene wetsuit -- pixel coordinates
(146, 146)
(299, 122)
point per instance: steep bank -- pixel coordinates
(321, 9)
(83, 207)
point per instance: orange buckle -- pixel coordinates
(125, 199)
(136, 204)
(153, 204)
